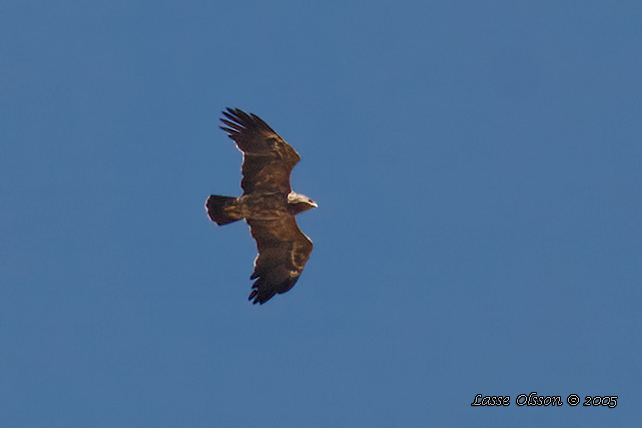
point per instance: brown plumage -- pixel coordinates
(268, 204)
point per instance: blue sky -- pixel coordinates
(477, 169)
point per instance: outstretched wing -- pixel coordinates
(283, 252)
(267, 159)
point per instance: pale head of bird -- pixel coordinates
(298, 203)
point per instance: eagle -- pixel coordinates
(268, 204)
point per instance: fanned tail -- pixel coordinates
(223, 209)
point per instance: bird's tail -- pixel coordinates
(223, 209)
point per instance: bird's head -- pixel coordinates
(298, 203)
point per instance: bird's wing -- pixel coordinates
(283, 252)
(267, 159)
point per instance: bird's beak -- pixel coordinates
(314, 204)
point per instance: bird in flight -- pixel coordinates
(268, 204)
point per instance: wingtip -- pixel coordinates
(253, 295)
(230, 132)
(244, 119)
(238, 116)
(230, 115)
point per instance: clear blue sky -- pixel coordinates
(478, 169)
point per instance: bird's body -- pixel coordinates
(263, 207)
(268, 205)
